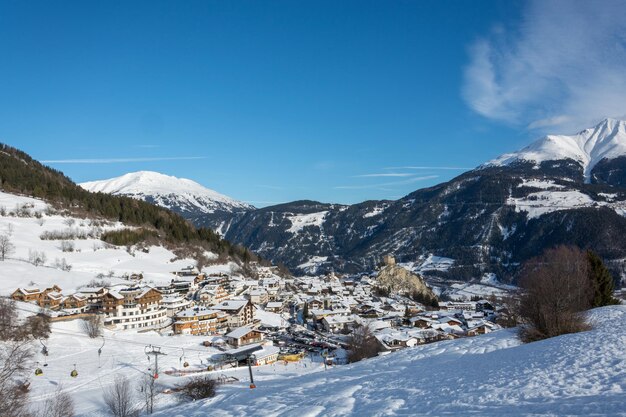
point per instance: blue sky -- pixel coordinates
(276, 101)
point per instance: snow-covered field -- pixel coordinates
(89, 257)
(123, 354)
(580, 374)
(300, 221)
(542, 202)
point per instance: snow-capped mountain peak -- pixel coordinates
(606, 140)
(179, 194)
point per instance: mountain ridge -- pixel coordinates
(181, 195)
(558, 190)
(604, 141)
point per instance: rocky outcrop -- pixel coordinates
(401, 280)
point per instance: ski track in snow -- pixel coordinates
(582, 374)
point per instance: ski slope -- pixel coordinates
(123, 354)
(581, 374)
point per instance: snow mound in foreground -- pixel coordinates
(490, 375)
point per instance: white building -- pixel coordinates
(134, 308)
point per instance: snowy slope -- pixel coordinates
(123, 354)
(492, 375)
(588, 147)
(178, 194)
(90, 257)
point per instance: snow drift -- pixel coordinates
(492, 375)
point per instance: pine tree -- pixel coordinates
(305, 312)
(601, 280)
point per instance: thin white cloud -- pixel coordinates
(387, 184)
(388, 174)
(563, 66)
(434, 168)
(549, 121)
(119, 160)
(257, 202)
(271, 187)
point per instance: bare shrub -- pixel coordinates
(97, 283)
(198, 388)
(67, 246)
(148, 391)
(68, 234)
(59, 405)
(37, 258)
(38, 326)
(15, 357)
(6, 247)
(555, 292)
(62, 264)
(8, 318)
(23, 210)
(119, 400)
(362, 344)
(92, 326)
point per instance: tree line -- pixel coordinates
(21, 174)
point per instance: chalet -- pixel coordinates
(275, 306)
(242, 336)
(270, 283)
(319, 315)
(93, 296)
(397, 340)
(239, 312)
(174, 303)
(334, 324)
(36, 295)
(134, 308)
(200, 321)
(421, 322)
(51, 300)
(183, 285)
(259, 297)
(27, 295)
(481, 327)
(314, 303)
(74, 304)
(212, 294)
(188, 271)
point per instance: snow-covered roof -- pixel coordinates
(196, 311)
(240, 332)
(231, 305)
(274, 304)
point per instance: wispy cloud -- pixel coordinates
(563, 66)
(146, 146)
(386, 184)
(119, 160)
(263, 203)
(388, 174)
(431, 167)
(271, 187)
